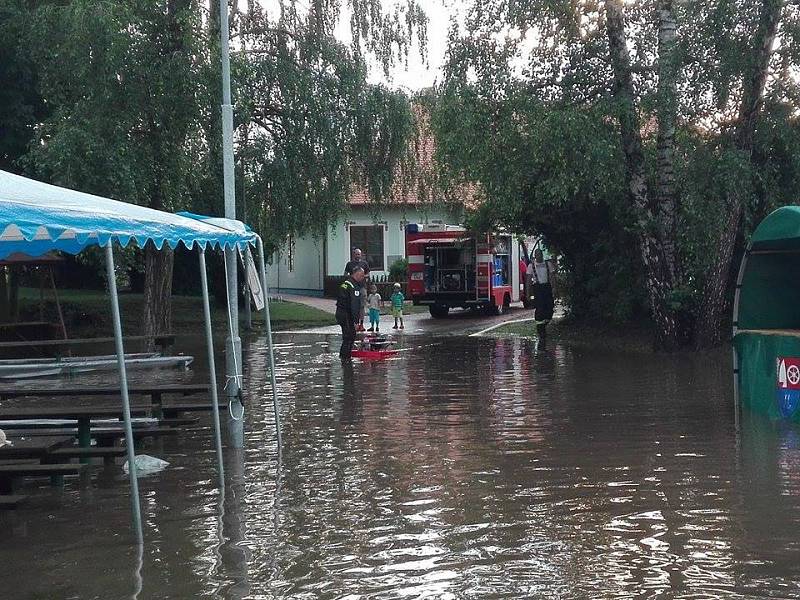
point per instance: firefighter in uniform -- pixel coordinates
(348, 309)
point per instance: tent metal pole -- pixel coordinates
(273, 380)
(212, 368)
(123, 388)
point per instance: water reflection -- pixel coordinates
(462, 468)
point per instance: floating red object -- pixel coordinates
(373, 354)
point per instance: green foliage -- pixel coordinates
(525, 108)
(398, 271)
(119, 79)
(21, 106)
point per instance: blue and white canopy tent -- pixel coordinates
(36, 218)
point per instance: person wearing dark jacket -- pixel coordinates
(348, 309)
(359, 261)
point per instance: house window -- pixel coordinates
(290, 254)
(370, 239)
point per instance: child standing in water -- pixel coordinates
(374, 302)
(397, 306)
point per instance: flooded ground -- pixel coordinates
(465, 468)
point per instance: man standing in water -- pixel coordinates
(357, 260)
(543, 277)
(348, 309)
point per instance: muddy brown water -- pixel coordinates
(465, 468)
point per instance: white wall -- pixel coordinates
(307, 274)
(394, 220)
(307, 277)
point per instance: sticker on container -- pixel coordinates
(788, 385)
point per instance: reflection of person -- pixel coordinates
(374, 303)
(397, 306)
(543, 300)
(358, 260)
(351, 401)
(348, 309)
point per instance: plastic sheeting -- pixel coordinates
(36, 217)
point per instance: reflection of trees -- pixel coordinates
(582, 466)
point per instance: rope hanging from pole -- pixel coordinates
(237, 377)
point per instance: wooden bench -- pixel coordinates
(156, 391)
(173, 410)
(10, 501)
(107, 453)
(178, 422)
(162, 341)
(104, 436)
(10, 473)
(108, 437)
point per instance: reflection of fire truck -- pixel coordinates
(451, 267)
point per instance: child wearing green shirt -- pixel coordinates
(397, 300)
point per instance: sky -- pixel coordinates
(418, 74)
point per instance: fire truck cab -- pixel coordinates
(449, 266)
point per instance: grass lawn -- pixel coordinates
(88, 313)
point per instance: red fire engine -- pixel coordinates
(449, 266)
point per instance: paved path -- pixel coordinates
(459, 322)
(327, 305)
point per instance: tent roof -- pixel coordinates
(36, 217)
(779, 231)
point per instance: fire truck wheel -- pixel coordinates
(439, 311)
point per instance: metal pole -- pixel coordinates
(234, 342)
(248, 313)
(212, 368)
(123, 388)
(273, 381)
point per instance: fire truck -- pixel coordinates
(449, 266)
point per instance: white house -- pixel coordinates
(302, 264)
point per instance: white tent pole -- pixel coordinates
(273, 381)
(211, 364)
(123, 388)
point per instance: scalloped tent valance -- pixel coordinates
(37, 217)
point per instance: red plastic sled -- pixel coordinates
(373, 354)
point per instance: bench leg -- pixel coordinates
(84, 436)
(6, 485)
(57, 480)
(155, 400)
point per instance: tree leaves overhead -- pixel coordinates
(528, 108)
(312, 125)
(132, 91)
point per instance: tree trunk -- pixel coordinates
(658, 278)
(157, 309)
(667, 207)
(157, 314)
(709, 332)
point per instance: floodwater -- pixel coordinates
(465, 468)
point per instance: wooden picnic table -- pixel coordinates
(155, 391)
(161, 341)
(82, 414)
(33, 446)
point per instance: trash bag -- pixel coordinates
(4, 441)
(145, 465)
